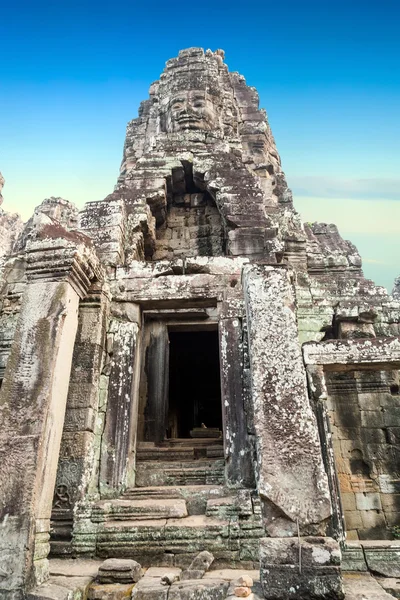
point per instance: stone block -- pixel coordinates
(372, 519)
(348, 501)
(390, 502)
(369, 401)
(149, 588)
(287, 582)
(388, 484)
(384, 559)
(159, 572)
(317, 576)
(117, 570)
(391, 416)
(372, 419)
(192, 574)
(203, 589)
(111, 591)
(391, 585)
(358, 586)
(278, 372)
(353, 519)
(368, 501)
(353, 558)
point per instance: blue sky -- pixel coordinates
(72, 74)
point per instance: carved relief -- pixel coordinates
(190, 110)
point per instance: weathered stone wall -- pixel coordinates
(32, 402)
(200, 230)
(364, 414)
(193, 227)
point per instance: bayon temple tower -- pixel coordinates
(192, 378)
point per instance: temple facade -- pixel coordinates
(185, 366)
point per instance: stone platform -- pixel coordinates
(74, 580)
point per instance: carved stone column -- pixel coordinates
(32, 405)
(292, 481)
(120, 426)
(77, 472)
(238, 448)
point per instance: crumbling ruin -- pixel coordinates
(186, 367)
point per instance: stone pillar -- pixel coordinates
(238, 448)
(79, 453)
(292, 481)
(120, 426)
(32, 407)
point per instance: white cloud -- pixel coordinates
(358, 189)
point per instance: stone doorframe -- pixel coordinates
(321, 358)
(33, 400)
(118, 453)
(237, 446)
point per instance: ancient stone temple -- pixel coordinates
(187, 368)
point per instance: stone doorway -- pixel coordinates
(194, 391)
(180, 384)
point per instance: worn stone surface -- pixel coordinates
(110, 591)
(199, 589)
(290, 569)
(62, 588)
(364, 586)
(391, 585)
(117, 570)
(291, 474)
(150, 588)
(199, 235)
(383, 559)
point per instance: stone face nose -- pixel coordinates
(185, 110)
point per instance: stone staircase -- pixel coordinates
(179, 507)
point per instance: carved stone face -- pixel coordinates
(191, 110)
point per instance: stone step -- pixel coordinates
(158, 537)
(192, 442)
(196, 496)
(200, 472)
(150, 452)
(174, 542)
(138, 509)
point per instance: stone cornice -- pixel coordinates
(354, 353)
(58, 259)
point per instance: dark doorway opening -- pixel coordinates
(194, 382)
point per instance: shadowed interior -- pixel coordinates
(194, 382)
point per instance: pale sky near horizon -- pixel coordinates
(327, 73)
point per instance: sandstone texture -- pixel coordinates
(195, 386)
